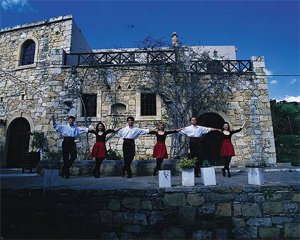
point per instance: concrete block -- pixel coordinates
(256, 176)
(164, 178)
(188, 177)
(51, 177)
(208, 176)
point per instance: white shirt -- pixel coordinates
(69, 131)
(195, 131)
(131, 132)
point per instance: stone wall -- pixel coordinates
(250, 212)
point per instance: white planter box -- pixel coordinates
(164, 178)
(188, 177)
(256, 176)
(208, 176)
(51, 177)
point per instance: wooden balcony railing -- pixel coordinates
(155, 57)
(221, 66)
(139, 57)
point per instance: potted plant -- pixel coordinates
(188, 175)
(52, 168)
(208, 174)
(256, 173)
(38, 144)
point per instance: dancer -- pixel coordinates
(227, 149)
(195, 133)
(160, 149)
(69, 132)
(129, 134)
(99, 151)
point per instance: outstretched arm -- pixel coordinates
(152, 132)
(91, 130)
(238, 130)
(172, 131)
(215, 129)
(82, 130)
(183, 131)
(57, 127)
(112, 130)
(143, 131)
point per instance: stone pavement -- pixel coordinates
(289, 176)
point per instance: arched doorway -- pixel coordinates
(213, 140)
(18, 137)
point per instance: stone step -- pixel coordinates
(10, 170)
(288, 164)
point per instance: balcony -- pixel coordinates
(221, 67)
(120, 58)
(155, 57)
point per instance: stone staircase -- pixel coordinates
(14, 172)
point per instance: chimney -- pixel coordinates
(175, 42)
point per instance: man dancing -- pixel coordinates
(69, 132)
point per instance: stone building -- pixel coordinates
(49, 68)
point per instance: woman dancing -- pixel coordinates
(160, 149)
(227, 149)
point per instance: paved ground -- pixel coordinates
(273, 177)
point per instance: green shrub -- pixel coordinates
(113, 155)
(53, 156)
(206, 163)
(186, 162)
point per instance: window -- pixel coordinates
(89, 105)
(148, 104)
(118, 109)
(27, 53)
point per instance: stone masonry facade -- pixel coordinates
(249, 212)
(48, 86)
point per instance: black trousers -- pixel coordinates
(196, 151)
(69, 152)
(226, 162)
(128, 153)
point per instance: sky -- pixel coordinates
(269, 28)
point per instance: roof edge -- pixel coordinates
(44, 22)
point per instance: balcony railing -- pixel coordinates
(221, 66)
(155, 57)
(121, 58)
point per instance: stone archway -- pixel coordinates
(18, 138)
(213, 140)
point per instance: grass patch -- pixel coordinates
(288, 149)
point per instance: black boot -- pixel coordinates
(223, 172)
(154, 171)
(123, 172)
(97, 173)
(197, 172)
(63, 172)
(67, 172)
(129, 172)
(229, 174)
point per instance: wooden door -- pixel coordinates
(18, 134)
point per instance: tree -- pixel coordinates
(285, 117)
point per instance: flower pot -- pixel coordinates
(164, 178)
(30, 160)
(208, 176)
(51, 177)
(188, 177)
(256, 176)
